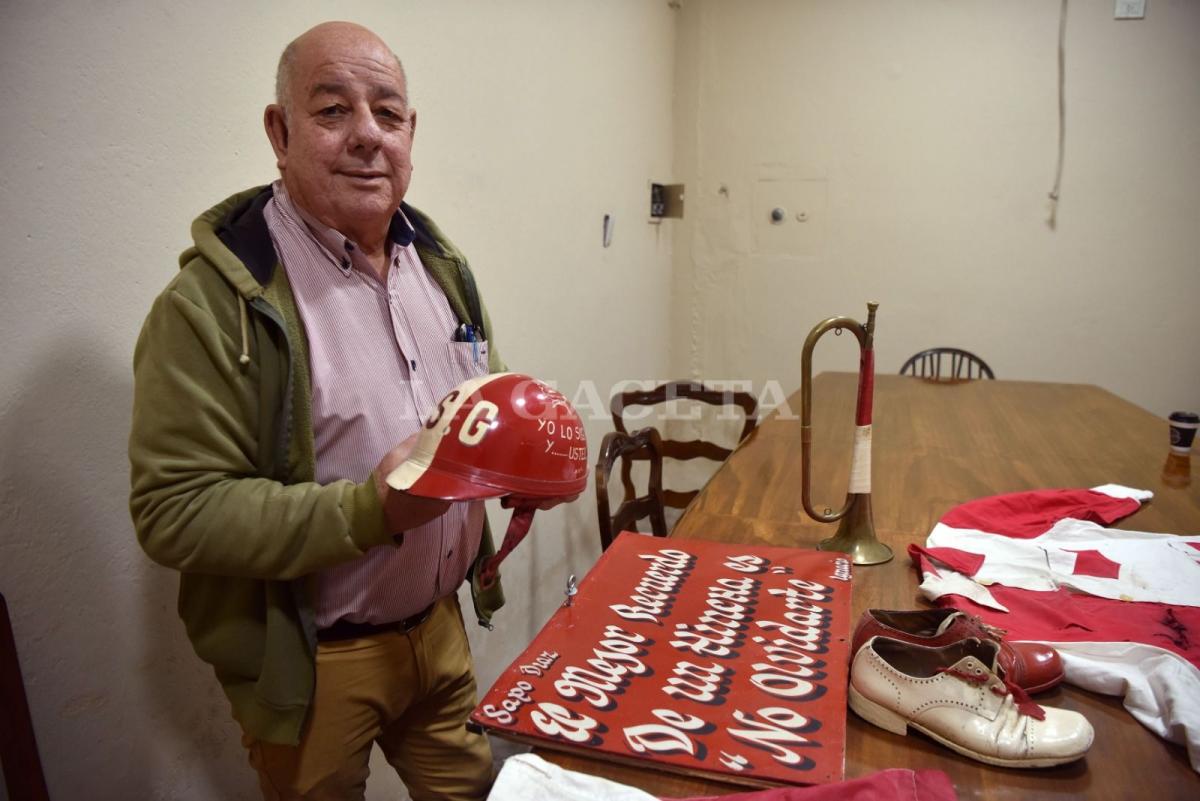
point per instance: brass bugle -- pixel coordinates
(856, 532)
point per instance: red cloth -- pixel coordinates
(1025, 515)
(895, 784)
(1066, 616)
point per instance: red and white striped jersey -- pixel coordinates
(1122, 607)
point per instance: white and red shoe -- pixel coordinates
(954, 695)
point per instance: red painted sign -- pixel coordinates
(701, 657)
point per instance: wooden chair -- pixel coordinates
(23, 777)
(960, 365)
(619, 445)
(689, 449)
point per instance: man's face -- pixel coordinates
(345, 144)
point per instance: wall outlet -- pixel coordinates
(666, 200)
(1130, 9)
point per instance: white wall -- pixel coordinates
(126, 119)
(921, 137)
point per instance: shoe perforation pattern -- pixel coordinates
(878, 666)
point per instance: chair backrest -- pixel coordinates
(647, 445)
(18, 748)
(947, 364)
(689, 449)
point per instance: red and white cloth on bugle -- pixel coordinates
(860, 461)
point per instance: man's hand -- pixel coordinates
(402, 510)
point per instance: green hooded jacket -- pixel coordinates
(223, 460)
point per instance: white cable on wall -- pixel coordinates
(1052, 221)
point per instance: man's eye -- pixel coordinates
(330, 111)
(389, 113)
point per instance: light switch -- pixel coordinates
(1130, 9)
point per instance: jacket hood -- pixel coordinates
(233, 237)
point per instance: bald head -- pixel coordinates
(315, 41)
(342, 131)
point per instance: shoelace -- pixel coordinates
(1025, 704)
(995, 632)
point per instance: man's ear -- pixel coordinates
(275, 121)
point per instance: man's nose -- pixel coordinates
(364, 131)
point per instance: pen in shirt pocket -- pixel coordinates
(469, 333)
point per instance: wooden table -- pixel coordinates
(935, 446)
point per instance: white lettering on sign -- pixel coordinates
(478, 421)
(719, 630)
(668, 737)
(782, 650)
(540, 663)
(614, 664)
(516, 698)
(698, 683)
(747, 564)
(774, 731)
(808, 638)
(702, 644)
(655, 592)
(611, 631)
(783, 683)
(841, 570)
(558, 721)
(812, 590)
(734, 761)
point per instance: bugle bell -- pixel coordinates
(856, 532)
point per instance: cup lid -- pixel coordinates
(1184, 417)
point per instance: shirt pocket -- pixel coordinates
(468, 360)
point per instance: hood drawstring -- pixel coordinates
(245, 320)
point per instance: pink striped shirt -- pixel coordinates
(381, 357)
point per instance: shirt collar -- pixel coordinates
(400, 231)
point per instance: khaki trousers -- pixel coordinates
(411, 693)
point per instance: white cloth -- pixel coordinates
(1082, 555)
(1159, 688)
(528, 777)
(1148, 566)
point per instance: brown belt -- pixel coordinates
(347, 630)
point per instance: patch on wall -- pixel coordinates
(789, 213)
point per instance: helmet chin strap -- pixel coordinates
(518, 527)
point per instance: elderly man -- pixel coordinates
(313, 325)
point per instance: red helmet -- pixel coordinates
(498, 435)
